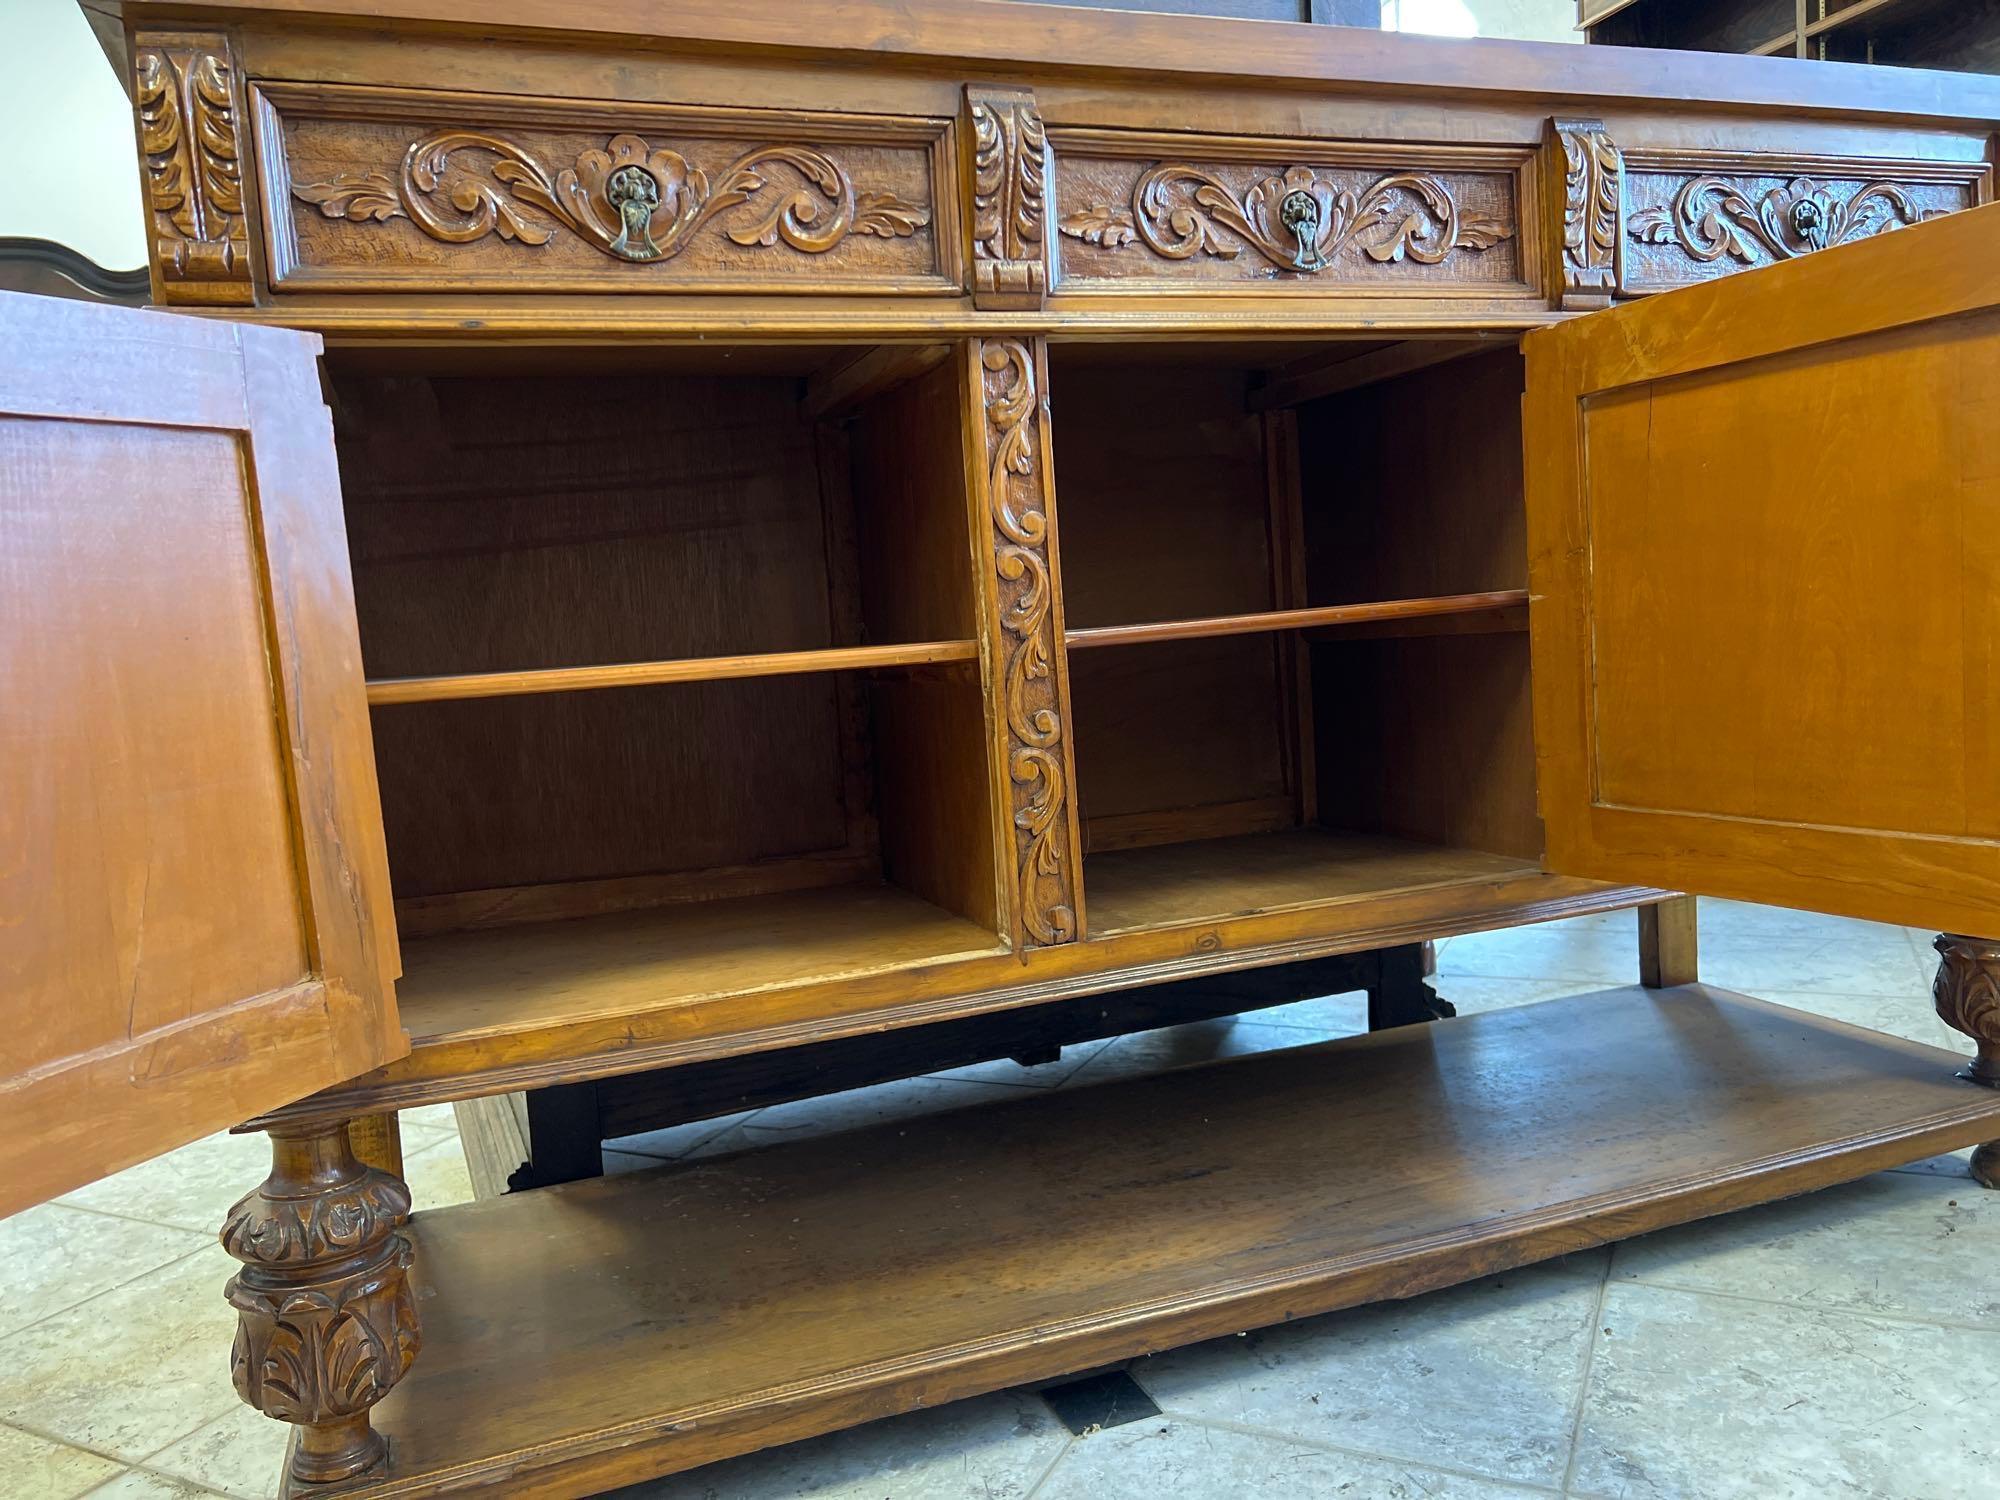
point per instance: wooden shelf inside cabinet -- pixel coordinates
(680, 1316)
(534, 975)
(455, 686)
(1498, 602)
(1167, 885)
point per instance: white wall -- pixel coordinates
(1534, 20)
(69, 170)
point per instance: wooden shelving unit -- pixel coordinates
(1920, 33)
(1327, 616)
(449, 688)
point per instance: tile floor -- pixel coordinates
(1842, 1345)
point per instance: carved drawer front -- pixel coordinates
(1694, 216)
(1151, 213)
(390, 190)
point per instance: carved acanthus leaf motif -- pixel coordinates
(1009, 170)
(1967, 995)
(1297, 219)
(1710, 218)
(184, 90)
(630, 200)
(325, 1320)
(1593, 208)
(1034, 723)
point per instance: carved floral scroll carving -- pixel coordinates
(326, 1324)
(1593, 212)
(1037, 749)
(190, 139)
(1009, 169)
(1299, 219)
(1967, 995)
(631, 200)
(1710, 218)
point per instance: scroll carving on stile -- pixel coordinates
(1009, 171)
(1710, 218)
(1593, 212)
(631, 200)
(1035, 743)
(1299, 220)
(190, 137)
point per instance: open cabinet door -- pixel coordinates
(194, 899)
(1764, 519)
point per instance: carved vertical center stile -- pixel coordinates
(1028, 655)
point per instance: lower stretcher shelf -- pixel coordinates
(594, 1334)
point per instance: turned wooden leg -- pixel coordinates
(325, 1320)
(1668, 950)
(1967, 994)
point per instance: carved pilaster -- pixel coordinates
(1028, 666)
(1967, 995)
(325, 1321)
(1009, 169)
(1590, 246)
(192, 144)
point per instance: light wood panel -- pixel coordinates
(197, 922)
(1766, 520)
(1238, 877)
(521, 978)
(680, 1316)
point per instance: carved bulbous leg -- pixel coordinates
(1967, 993)
(325, 1320)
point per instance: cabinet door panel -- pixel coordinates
(1765, 561)
(193, 893)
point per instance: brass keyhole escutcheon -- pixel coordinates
(1299, 212)
(634, 193)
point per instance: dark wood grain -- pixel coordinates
(683, 1315)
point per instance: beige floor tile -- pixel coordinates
(1472, 994)
(1327, 1016)
(438, 1176)
(1861, 958)
(1040, 1076)
(1183, 1046)
(857, 1108)
(991, 1448)
(434, 1119)
(33, 1468)
(1489, 1373)
(129, 1371)
(676, 1140)
(241, 1453)
(1694, 1397)
(1896, 1243)
(54, 1257)
(1167, 1457)
(1599, 950)
(191, 1188)
(136, 1484)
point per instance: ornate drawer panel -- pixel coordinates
(1694, 216)
(383, 189)
(1156, 212)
